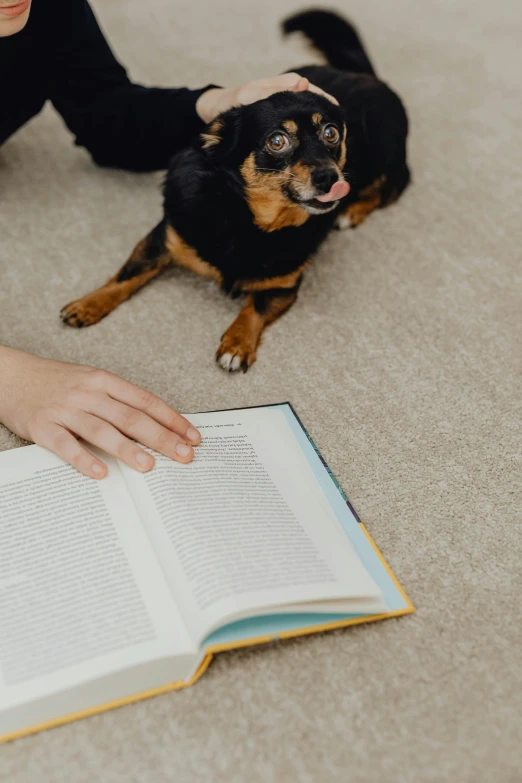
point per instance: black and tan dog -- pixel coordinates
(253, 199)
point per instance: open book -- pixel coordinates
(114, 590)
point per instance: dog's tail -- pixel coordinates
(334, 36)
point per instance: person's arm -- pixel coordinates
(54, 403)
(126, 125)
(121, 124)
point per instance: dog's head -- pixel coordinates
(288, 152)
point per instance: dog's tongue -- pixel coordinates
(337, 191)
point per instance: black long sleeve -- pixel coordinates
(62, 56)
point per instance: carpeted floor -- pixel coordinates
(403, 356)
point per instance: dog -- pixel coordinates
(261, 188)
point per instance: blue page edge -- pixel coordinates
(273, 625)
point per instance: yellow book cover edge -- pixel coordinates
(174, 686)
(331, 626)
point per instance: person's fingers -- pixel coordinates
(262, 88)
(102, 434)
(314, 88)
(140, 427)
(301, 85)
(106, 437)
(293, 82)
(60, 441)
(153, 406)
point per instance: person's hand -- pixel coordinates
(217, 99)
(54, 403)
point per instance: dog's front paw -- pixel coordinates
(83, 312)
(235, 353)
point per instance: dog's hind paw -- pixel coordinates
(343, 222)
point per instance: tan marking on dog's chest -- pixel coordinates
(271, 209)
(184, 255)
(282, 281)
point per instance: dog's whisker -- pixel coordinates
(277, 171)
(282, 174)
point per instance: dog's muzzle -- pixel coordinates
(320, 203)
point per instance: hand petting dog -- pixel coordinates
(219, 99)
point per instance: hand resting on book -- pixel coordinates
(55, 403)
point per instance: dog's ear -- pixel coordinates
(220, 137)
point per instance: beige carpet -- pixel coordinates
(403, 357)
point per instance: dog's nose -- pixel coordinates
(323, 178)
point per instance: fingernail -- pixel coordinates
(183, 450)
(143, 459)
(192, 434)
(97, 469)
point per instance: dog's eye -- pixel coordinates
(331, 134)
(278, 142)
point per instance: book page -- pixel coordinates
(81, 594)
(242, 529)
